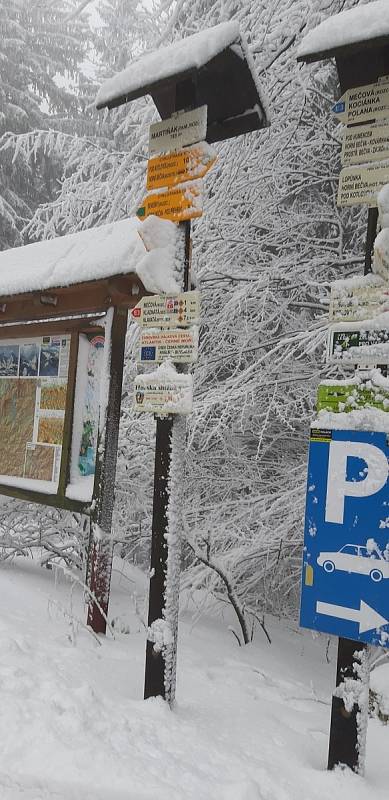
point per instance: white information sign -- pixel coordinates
(358, 303)
(363, 104)
(365, 143)
(163, 395)
(179, 345)
(168, 311)
(360, 185)
(180, 130)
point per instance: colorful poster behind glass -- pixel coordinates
(90, 423)
(33, 388)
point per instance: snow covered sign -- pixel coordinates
(346, 546)
(217, 62)
(177, 205)
(178, 345)
(183, 128)
(164, 391)
(358, 299)
(185, 165)
(363, 104)
(360, 185)
(365, 143)
(365, 346)
(168, 311)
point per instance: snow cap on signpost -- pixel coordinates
(358, 39)
(217, 60)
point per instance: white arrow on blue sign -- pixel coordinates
(345, 581)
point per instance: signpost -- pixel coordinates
(186, 165)
(346, 546)
(153, 392)
(353, 303)
(202, 110)
(363, 65)
(178, 205)
(360, 184)
(167, 311)
(178, 344)
(183, 128)
(365, 143)
(368, 345)
(363, 103)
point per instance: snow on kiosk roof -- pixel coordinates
(87, 271)
(359, 41)
(219, 65)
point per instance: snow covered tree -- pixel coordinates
(40, 53)
(270, 241)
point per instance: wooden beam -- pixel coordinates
(81, 298)
(44, 499)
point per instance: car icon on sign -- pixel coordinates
(358, 559)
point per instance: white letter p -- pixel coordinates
(338, 487)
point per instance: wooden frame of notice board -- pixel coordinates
(58, 316)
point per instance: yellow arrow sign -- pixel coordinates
(185, 202)
(185, 165)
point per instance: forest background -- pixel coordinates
(265, 251)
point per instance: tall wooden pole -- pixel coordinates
(101, 541)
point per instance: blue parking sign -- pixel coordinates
(345, 577)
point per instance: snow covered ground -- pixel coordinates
(250, 724)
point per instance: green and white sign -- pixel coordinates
(367, 347)
(339, 397)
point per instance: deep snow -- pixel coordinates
(249, 724)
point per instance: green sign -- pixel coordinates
(351, 397)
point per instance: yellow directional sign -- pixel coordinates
(363, 104)
(184, 165)
(365, 143)
(360, 185)
(185, 202)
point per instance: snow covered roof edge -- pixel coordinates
(189, 53)
(360, 27)
(94, 254)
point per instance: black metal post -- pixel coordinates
(370, 237)
(345, 744)
(155, 663)
(160, 679)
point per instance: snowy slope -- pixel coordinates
(250, 724)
